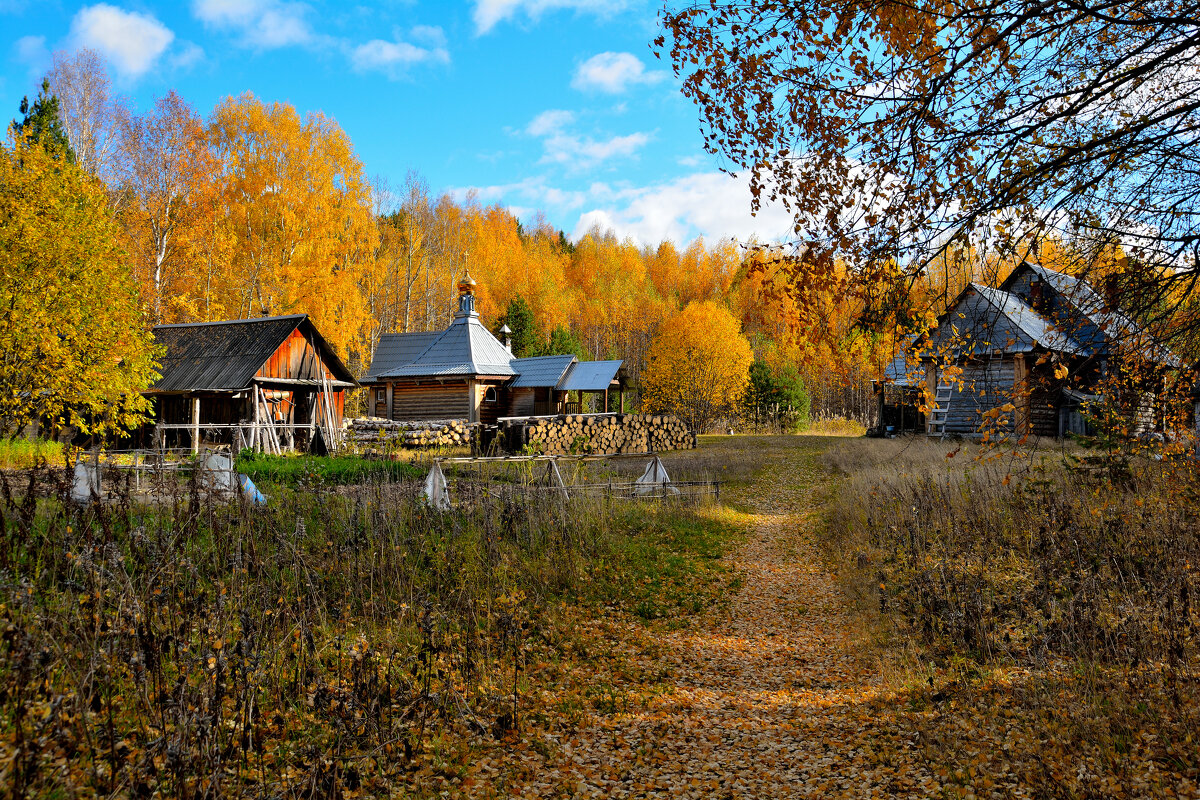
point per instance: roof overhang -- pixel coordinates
(305, 382)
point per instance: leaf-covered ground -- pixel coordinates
(764, 697)
(779, 692)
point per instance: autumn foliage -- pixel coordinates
(61, 264)
(699, 365)
(258, 210)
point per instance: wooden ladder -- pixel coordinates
(941, 408)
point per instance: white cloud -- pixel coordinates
(583, 152)
(430, 35)
(536, 191)
(549, 122)
(32, 52)
(267, 24)
(613, 73)
(560, 146)
(271, 24)
(189, 55)
(489, 13)
(392, 57)
(709, 204)
(131, 42)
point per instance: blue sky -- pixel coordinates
(556, 106)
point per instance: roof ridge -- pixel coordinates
(230, 321)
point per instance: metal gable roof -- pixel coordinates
(397, 349)
(1028, 321)
(540, 371)
(1105, 325)
(226, 355)
(589, 376)
(210, 356)
(900, 371)
(465, 348)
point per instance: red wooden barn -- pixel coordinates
(222, 380)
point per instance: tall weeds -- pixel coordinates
(1043, 616)
(326, 643)
(1052, 562)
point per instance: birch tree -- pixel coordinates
(699, 365)
(166, 169)
(90, 111)
(74, 348)
(298, 210)
(892, 130)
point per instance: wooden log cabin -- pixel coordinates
(1043, 341)
(220, 379)
(464, 372)
(898, 395)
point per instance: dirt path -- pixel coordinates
(767, 700)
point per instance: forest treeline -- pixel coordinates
(257, 210)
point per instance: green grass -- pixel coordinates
(24, 453)
(302, 470)
(668, 563)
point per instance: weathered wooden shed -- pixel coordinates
(464, 372)
(898, 395)
(1017, 344)
(220, 379)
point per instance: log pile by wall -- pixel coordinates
(596, 433)
(390, 433)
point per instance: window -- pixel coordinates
(490, 395)
(381, 395)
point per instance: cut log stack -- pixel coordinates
(388, 433)
(598, 433)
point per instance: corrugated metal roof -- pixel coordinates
(226, 355)
(900, 371)
(465, 348)
(1109, 325)
(589, 376)
(1031, 323)
(1081, 296)
(397, 349)
(540, 371)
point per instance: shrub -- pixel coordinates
(343, 638)
(24, 453)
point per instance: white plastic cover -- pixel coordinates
(218, 473)
(86, 483)
(436, 491)
(655, 477)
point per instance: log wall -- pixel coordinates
(983, 386)
(596, 433)
(435, 401)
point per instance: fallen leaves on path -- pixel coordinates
(775, 696)
(766, 699)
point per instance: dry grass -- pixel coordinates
(341, 640)
(1023, 583)
(834, 426)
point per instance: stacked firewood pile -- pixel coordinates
(598, 433)
(376, 432)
